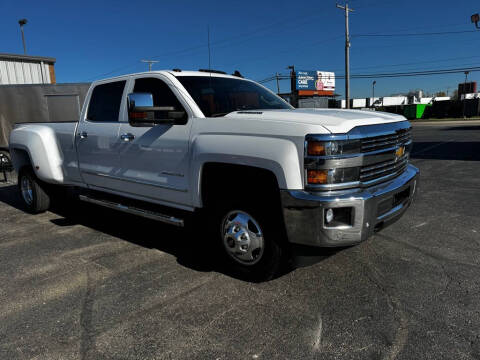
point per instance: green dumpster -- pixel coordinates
(415, 111)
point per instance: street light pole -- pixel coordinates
(347, 55)
(373, 92)
(21, 23)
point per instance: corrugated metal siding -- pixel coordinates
(23, 72)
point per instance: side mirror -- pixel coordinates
(141, 111)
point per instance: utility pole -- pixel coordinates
(373, 92)
(293, 86)
(465, 92)
(22, 22)
(278, 84)
(347, 55)
(150, 62)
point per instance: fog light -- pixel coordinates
(329, 215)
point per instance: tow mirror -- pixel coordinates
(141, 111)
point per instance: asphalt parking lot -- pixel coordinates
(83, 282)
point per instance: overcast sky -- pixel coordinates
(95, 39)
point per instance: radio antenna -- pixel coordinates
(209, 57)
(208, 39)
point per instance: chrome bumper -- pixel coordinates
(371, 209)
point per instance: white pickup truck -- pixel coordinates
(170, 144)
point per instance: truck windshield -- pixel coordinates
(217, 96)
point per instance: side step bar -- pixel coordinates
(135, 211)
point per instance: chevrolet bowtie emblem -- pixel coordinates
(399, 152)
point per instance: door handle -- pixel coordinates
(127, 137)
(83, 135)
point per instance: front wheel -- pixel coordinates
(33, 192)
(253, 242)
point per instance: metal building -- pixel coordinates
(25, 69)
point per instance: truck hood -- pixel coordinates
(334, 120)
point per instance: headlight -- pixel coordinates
(331, 148)
(332, 176)
(323, 159)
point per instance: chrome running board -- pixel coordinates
(135, 211)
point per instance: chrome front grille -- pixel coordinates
(383, 169)
(366, 156)
(386, 141)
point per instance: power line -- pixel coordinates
(442, 26)
(279, 77)
(223, 41)
(416, 34)
(416, 73)
(396, 74)
(113, 71)
(412, 63)
(328, 40)
(416, 68)
(413, 43)
(288, 50)
(226, 42)
(245, 37)
(375, 3)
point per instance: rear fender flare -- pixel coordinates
(37, 145)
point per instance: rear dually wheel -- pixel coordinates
(33, 192)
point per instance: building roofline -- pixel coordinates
(4, 56)
(45, 85)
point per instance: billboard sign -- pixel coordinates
(306, 80)
(315, 80)
(326, 80)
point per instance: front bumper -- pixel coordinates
(371, 209)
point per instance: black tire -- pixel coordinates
(38, 200)
(275, 251)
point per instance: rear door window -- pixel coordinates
(105, 102)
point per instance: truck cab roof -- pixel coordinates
(172, 73)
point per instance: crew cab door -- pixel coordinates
(97, 137)
(154, 158)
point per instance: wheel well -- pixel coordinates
(20, 159)
(220, 178)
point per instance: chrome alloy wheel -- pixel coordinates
(242, 237)
(26, 188)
